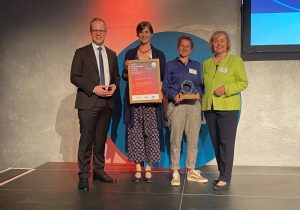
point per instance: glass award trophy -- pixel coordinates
(188, 90)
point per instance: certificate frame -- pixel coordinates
(144, 81)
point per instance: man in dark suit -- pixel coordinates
(95, 73)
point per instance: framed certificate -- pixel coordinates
(144, 81)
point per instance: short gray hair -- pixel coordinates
(217, 34)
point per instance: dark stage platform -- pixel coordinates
(54, 186)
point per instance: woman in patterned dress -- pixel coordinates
(143, 120)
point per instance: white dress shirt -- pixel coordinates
(105, 62)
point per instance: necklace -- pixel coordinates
(218, 59)
(144, 51)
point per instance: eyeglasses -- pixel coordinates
(99, 31)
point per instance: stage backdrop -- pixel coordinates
(167, 42)
(38, 122)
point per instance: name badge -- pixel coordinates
(192, 71)
(223, 69)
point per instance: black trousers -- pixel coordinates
(222, 127)
(94, 125)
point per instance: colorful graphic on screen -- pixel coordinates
(275, 22)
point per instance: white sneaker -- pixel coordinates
(195, 176)
(176, 179)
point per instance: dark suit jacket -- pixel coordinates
(128, 108)
(85, 76)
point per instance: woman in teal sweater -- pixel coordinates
(224, 77)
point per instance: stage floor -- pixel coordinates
(54, 186)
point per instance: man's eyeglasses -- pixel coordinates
(99, 31)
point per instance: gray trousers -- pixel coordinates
(184, 117)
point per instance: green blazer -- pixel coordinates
(231, 74)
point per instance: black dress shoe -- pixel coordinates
(215, 182)
(135, 178)
(221, 188)
(148, 179)
(83, 184)
(104, 178)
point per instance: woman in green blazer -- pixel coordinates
(224, 77)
